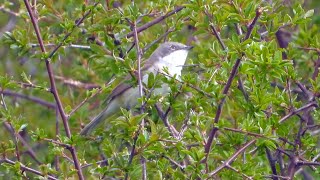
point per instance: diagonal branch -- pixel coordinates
(292, 113)
(52, 81)
(226, 89)
(228, 162)
(25, 168)
(155, 21)
(31, 98)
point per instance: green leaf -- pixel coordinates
(309, 13)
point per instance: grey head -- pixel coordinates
(167, 48)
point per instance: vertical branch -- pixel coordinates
(272, 164)
(141, 127)
(56, 158)
(136, 40)
(11, 129)
(53, 85)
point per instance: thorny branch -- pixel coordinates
(155, 21)
(52, 81)
(226, 89)
(25, 168)
(228, 162)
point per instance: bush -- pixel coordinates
(245, 107)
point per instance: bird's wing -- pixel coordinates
(124, 85)
(119, 89)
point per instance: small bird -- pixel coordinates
(169, 55)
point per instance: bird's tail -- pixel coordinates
(109, 111)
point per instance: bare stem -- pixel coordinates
(155, 21)
(25, 168)
(228, 162)
(52, 81)
(227, 87)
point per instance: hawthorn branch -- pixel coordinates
(228, 162)
(140, 85)
(80, 21)
(214, 30)
(292, 113)
(52, 81)
(139, 54)
(245, 132)
(272, 163)
(227, 87)
(155, 21)
(30, 98)
(25, 168)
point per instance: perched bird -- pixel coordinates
(169, 55)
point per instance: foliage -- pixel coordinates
(246, 105)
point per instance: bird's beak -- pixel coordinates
(188, 48)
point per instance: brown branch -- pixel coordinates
(52, 81)
(172, 130)
(228, 162)
(155, 21)
(83, 102)
(227, 87)
(139, 54)
(292, 113)
(174, 162)
(80, 21)
(25, 168)
(316, 69)
(31, 98)
(57, 143)
(77, 84)
(170, 30)
(305, 91)
(214, 31)
(251, 26)
(271, 163)
(310, 49)
(219, 109)
(245, 132)
(306, 163)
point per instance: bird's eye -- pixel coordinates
(172, 47)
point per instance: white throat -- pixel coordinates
(173, 62)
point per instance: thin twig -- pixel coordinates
(12, 130)
(141, 126)
(98, 162)
(226, 89)
(292, 113)
(80, 21)
(175, 163)
(157, 40)
(76, 83)
(25, 168)
(52, 81)
(232, 158)
(155, 21)
(139, 54)
(31, 98)
(245, 132)
(76, 46)
(214, 31)
(83, 102)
